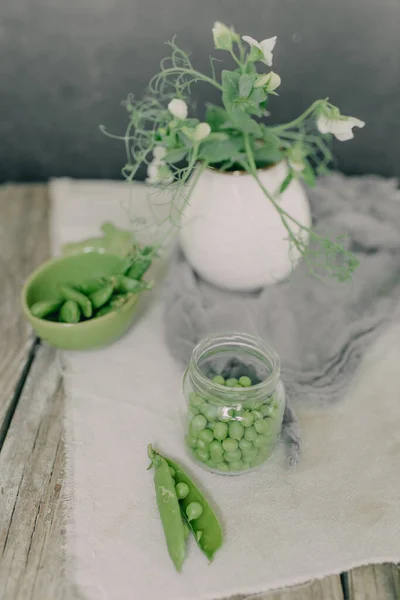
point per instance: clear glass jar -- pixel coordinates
(234, 403)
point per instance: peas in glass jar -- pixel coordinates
(234, 403)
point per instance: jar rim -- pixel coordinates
(243, 340)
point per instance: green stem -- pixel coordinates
(196, 74)
(237, 61)
(299, 119)
(253, 171)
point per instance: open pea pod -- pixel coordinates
(206, 529)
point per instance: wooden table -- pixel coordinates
(32, 529)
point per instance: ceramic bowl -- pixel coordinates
(44, 284)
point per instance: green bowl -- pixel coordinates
(44, 283)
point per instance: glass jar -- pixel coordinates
(234, 403)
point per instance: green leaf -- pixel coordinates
(244, 122)
(216, 116)
(230, 88)
(285, 183)
(176, 155)
(246, 82)
(218, 151)
(308, 174)
(257, 95)
(268, 155)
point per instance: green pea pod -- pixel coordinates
(83, 301)
(91, 286)
(119, 300)
(104, 310)
(102, 295)
(206, 529)
(169, 509)
(139, 268)
(126, 284)
(186, 530)
(126, 264)
(69, 312)
(44, 307)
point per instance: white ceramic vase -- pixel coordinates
(233, 236)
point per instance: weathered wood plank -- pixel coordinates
(24, 243)
(329, 588)
(31, 486)
(374, 582)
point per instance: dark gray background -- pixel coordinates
(66, 65)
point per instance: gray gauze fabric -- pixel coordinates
(320, 330)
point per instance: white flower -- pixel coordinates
(269, 81)
(158, 153)
(158, 173)
(178, 108)
(342, 127)
(265, 48)
(223, 36)
(201, 131)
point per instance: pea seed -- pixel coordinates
(231, 456)
(44, 307)
(198, 422)
(220, 431)
(182, 490)
(224, 413)
(245, 444)
(261, 426)
(250, 434)
(249, 455)
(202, 455)
(191, 442)
(195, 400)
(245, 466)
(218, 379)
(69, 312)
(194, 510)
(205, 435)
(216, 447)
(230, 445)
(231, 382)
(236, 430)
(261, 441)
(222, 466)
(257, 415)
(202, 444)
(266, 410)
(236, 465)
(172, 471)
(245, 381)
(247, 419)
(252, 404)
(209, 411)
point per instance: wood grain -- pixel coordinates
(374, 582)
(24, 243)
(31, 485)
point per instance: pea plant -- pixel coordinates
(176, 148)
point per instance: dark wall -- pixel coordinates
(66, 65)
